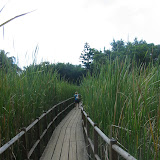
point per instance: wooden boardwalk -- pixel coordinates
(67, 141)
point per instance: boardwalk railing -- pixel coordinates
(99, 146)
(31, 141)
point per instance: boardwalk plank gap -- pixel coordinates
(67, 141)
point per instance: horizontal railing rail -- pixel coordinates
(99, 146)
(32, 140)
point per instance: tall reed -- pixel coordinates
(24, 96)
(127, 98)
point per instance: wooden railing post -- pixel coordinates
(88, 134)
(53, 124)
(56, 112)
(83, 124)
(103, 151)
(25, 137)
(82, 118)
(62, 114)
(87, 123)
(2, 156)
(95, 141)
(24, 145)
(113, 154)
(60, 109)
(46, 124)
(85, 119)
(38, 138)
(63, 107)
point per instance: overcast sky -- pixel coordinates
(61, 27)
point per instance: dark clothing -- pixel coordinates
(76, 100)
(76, 96)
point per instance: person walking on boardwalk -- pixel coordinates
(77, 99)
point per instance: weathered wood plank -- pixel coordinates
(77, 119)
(73, 118)
(67, 141)
(81, 151)
(59, 145)
(81, 148)
(57, 152)
(67, 135)
(79, 134)
(47, 154)
(72, 151)
(73, 135)
(65, 150)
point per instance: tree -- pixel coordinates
(118, 46)
(68, 72)
(71, 73)
(99, 57)
(86, 56)
(140, 51)
(8, 63)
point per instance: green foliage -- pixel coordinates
(86, 56)
(71, 73)
(139, 51)
(118, 46)
(99, 57)
(7, 63)
(128, 97)
(24, 96)
(68, 72)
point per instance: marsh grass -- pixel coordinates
(25, 95)
(127, 98)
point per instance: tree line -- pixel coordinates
(68, 72)
(139, 51)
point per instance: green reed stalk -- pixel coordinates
(126, 96)
(24, 97)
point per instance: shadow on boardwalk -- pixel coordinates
(67, 141)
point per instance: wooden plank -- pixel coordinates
(79, 123)
(49, 150)
(72, 151)
(81, 146)
(79, 130)
(47, 154)
(65, 150)
(79, 134)
(67, 141)
(57, 151)
(81, 151)
(73, 135)
(73, 143)
(77, 119)
(66, 119)
(67, 135)
(73, 118)
(59, 145)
